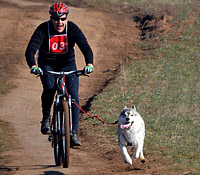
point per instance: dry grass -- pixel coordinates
(165, 87)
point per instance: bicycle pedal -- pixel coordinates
(50, 138)
(76, 147)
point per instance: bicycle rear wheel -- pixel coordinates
(65, 135)
(56, 138)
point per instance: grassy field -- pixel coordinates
(6, 133)
(165, 88)
(5, 128)
(5, 87)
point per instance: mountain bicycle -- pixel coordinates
(61, 123)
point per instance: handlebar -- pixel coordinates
(63, 73)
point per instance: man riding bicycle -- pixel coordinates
(55, 40)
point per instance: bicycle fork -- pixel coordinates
(70, 113)
(58, 120)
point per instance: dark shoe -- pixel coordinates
(74, 142)
(45, 126)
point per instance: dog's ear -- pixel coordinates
(125, 107)
(134, 108)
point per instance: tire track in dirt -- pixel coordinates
(21, 107)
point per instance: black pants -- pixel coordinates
(49, 89)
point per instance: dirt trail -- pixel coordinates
(21, 107)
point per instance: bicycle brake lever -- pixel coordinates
(81, 73)
(78, 75)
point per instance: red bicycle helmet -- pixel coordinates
(58, 9)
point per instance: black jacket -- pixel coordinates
(40, 41)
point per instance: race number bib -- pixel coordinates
(58, 44)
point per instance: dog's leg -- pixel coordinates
(143, 160)
(126, 157)
(139, 153)
(138, 149)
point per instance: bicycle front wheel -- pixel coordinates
(56, 138)
(65, 135)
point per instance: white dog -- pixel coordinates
(131, 132)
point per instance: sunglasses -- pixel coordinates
(57, 19)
